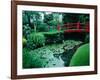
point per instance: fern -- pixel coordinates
(37, 38)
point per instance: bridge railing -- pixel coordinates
(77, 26)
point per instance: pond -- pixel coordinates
(54, 55)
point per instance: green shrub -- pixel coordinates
(36, 38)
(26, 58)
(43, 27)
(81, 56)
(54, 37)
(39, 58)
(24, 41)
(87, 38)
(25, 18)
(26, 30)
(43, 57)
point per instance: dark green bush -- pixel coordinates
(87, 38)
(25, 18)
(26, 58)
(43, 57)
(37, 61)
(54, 37)
(43, 27)
(26, 30)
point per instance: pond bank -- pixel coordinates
(54, 55)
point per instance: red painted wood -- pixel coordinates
(58, 27)
(87, 26)
(76, 27)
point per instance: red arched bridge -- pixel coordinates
(74, 27)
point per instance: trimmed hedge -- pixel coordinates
(81, 56)
(54, 36)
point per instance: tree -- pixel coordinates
(74, 18)
(53, 19)
(48, 18)
(32, 18)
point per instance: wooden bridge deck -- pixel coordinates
(76, 30)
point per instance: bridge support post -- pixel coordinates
(87, 27)
(78, 25)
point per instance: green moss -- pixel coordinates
(81, 56)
